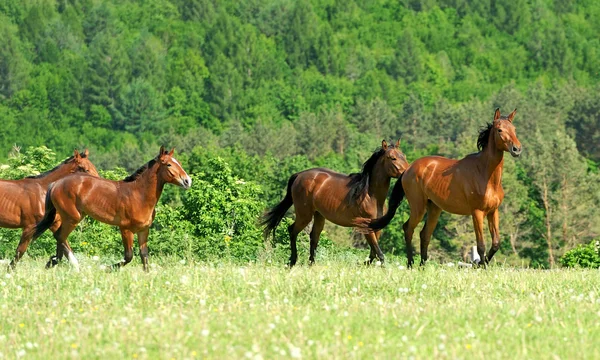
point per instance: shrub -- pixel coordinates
(587, 256)
(224, 212)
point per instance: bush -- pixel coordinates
(224, 211)
(587, 256)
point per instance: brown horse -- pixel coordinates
(128, 204)
(22, 201)
(319, 194)
(470, 186)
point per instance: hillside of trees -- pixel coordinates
(271, 87)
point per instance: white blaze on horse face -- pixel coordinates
(184, 181)
(73, 260)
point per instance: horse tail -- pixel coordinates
(49, 215)
(394, 203)
(273, 217)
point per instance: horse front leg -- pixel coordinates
(478, 226)
(22, 247)
(127, 237)
(143, 243)
(493, 225)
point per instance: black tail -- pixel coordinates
(49, 216)
(273, 217)
(380, 223)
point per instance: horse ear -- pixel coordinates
(76, 154)
(398, 143)
(171, 152)
(162, 151)
(86, 153)
(511, 116)
(497, 114)
(384, 145)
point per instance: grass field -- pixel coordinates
(334, 310)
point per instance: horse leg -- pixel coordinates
(303, 216)
(62, 245)
(54, 259)
(143, 243)
(417, 211)
(373, 253)
(23, 245)
(493, 224)
(433, 215)
(127, 237)
(372, 241)
(315, 235)
(478, 226)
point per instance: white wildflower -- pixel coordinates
(295, 352)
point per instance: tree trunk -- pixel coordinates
(548, 223)
(513, 242)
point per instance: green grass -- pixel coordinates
(334, 310)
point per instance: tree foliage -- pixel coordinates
(276, 86)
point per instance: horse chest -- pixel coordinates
(492, 199)
(142, 220)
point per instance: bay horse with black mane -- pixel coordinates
(129, 204)
(320, 194)
(22, 201)
(470, 186)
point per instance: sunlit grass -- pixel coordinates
(335, 309)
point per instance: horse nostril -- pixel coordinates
(515, 149)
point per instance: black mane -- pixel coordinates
(359, 182)
(138, 172)
(51, 170)
(484, 136)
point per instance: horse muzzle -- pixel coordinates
(515, 151)
(185, 182)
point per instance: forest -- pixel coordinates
(250, 92)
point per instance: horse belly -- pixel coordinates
(337, 218)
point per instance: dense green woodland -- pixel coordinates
(259, 89)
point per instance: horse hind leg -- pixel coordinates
(63, 247)
(54, 259)
(433, 215)
(315, 235)
(302, 220)
(417, 211)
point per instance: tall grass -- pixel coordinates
(333, 310)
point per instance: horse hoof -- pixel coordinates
(52, 262)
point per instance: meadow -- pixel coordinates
(336, 309)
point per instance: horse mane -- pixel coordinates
(140, 171)
(359, 182)
(484, 136)
(51, 170)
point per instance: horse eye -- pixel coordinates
(499, 130)
(393, 159)
(168, 165)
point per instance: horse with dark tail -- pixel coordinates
(322, 194)
(273, 217)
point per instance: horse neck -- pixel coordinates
(56, 174)
(150, 185)
(379, 184)
(493, 163)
